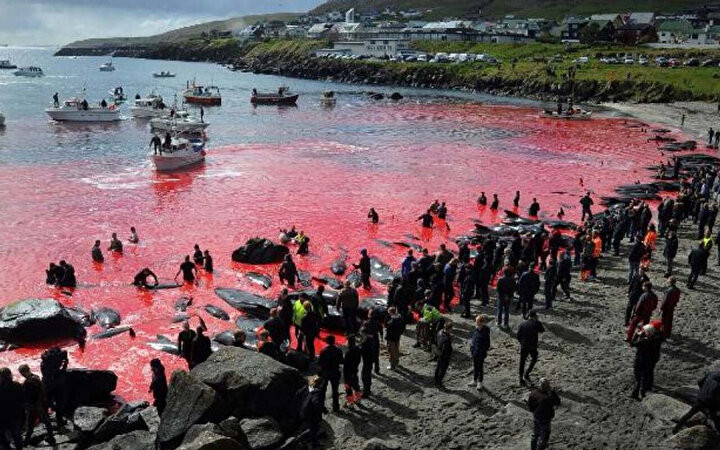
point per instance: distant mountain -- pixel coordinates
(181, 34)
(521, 8)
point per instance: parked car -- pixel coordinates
(628, 60)
(692, 62)
(581, 60)
(643, 61)
(709, 63)
(422, 58)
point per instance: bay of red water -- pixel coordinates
(402, 157)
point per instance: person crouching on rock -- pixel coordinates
(542, 403)
(312, 408)
(288, 272)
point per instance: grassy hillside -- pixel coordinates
(498, 8)
(181, 34)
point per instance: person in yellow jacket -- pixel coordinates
(299, 313)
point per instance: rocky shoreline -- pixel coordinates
(439, 76)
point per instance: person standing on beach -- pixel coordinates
(479, 346)
(711, 135)
(364, 266)
(670, 251)
(565, 272)
(643, 310)
(158, 385)
(682, 120)
(634, 258)
(445, 350)
(505, 290)
(551, 282)
(351, 362)
(348, 301)
(542, 403)
(696, 258)
(527, 287)
(586, 202)
(394, 329)
(330, 360)
(672, 297)
(527, 335)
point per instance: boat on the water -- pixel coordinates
(328, 99)
(202, 95)
(31, 71)
(117, 95)
(107, 67)
(568, 114)
(6, 64)
(180, 153)
(281, 97)
(2, 120)
(182, 122)
(150, 106)
(164, 74)
(77, 109)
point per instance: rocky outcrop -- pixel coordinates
(252, 384)
(125, 420)
(209, 437)
(35, 320)
(262, 434)
(90, 387)
(699, 437)
(260, 251)
(88, 418)
(189, 401)
(136, 440)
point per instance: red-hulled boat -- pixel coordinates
(203, 95)
(282, 97)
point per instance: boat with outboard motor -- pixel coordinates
(178, 153)
(6, 64)
(2, 120)
(181, 121)
(150, 106)
(117, 95)
(77, 109)
(282, 97)
(164, 74)
(107, 67)
(31, 71)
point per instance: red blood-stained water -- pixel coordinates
(324, 187)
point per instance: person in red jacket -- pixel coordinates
(643, 310)
(672, 297)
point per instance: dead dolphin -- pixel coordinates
(216, 312)
(106, 317)
(304, 278)
(164, 344)
(165, 285)
(381, 272)
(80, 316)
(182, 317)
(332, 282)
(252, 304)
(384, 243)
(183, 302)
(354, 278)
(113, 332)
(260, 279)
(248, 323)
(225, 338)
(338, 266)
(415, 247)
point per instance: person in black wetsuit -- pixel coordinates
(66, 278)
(201, 350)
(495, 203)
(351, 362)
(373, 216)
(586, 203)
(188, 269)
(96, 253)
(156, 144)
(275, 327)
(35, 405)
(115, 244)
(168, 141)
(330, 360)
(534, 208)
(12, 415)
(184, 343)
(51, 274)
(527, 335)
(140, 279)
(364, 266)
(158, 385)
(198, 257)
(482, 200)
(288, 271)
(516, 199)
(208, 260)
(427, 219)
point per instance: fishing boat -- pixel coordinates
(77, 109)
(117, 95)
(282, 97)
(181, 153)
(328, 99)
(6, 64)
(568, 114)
(150, 106)
(107, 67)
(203, 95)
(30, 71)
(182, 122)
(164, 74)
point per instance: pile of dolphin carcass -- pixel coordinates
(512, 226)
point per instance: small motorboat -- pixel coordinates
(150, 106)
(117, 95)
(107, 67)
(568, 114)
(164, 74)
(180, 153)
(6, 64)
(202, 95)
(282, 97)
(30, 71)
(2, 120)
(328, 99)
(77, 109)
(182, 122)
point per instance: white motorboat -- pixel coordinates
(163, 74)
(30, 71)
(6, 64)
(107, 67)
(181, 153)
(77, 109)
(117, 95)
(150, 106)
(182, 122)
(568, 114)
(2, 120)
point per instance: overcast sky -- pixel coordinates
(46, 22)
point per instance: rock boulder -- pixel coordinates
(88, 418)
(125, 420)
(209, 437)
(136, 440)
(699, 437)
(36, 319)
(260, 251)
(254, 385)
(189, 402)
(90, 387)
(262, 434)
